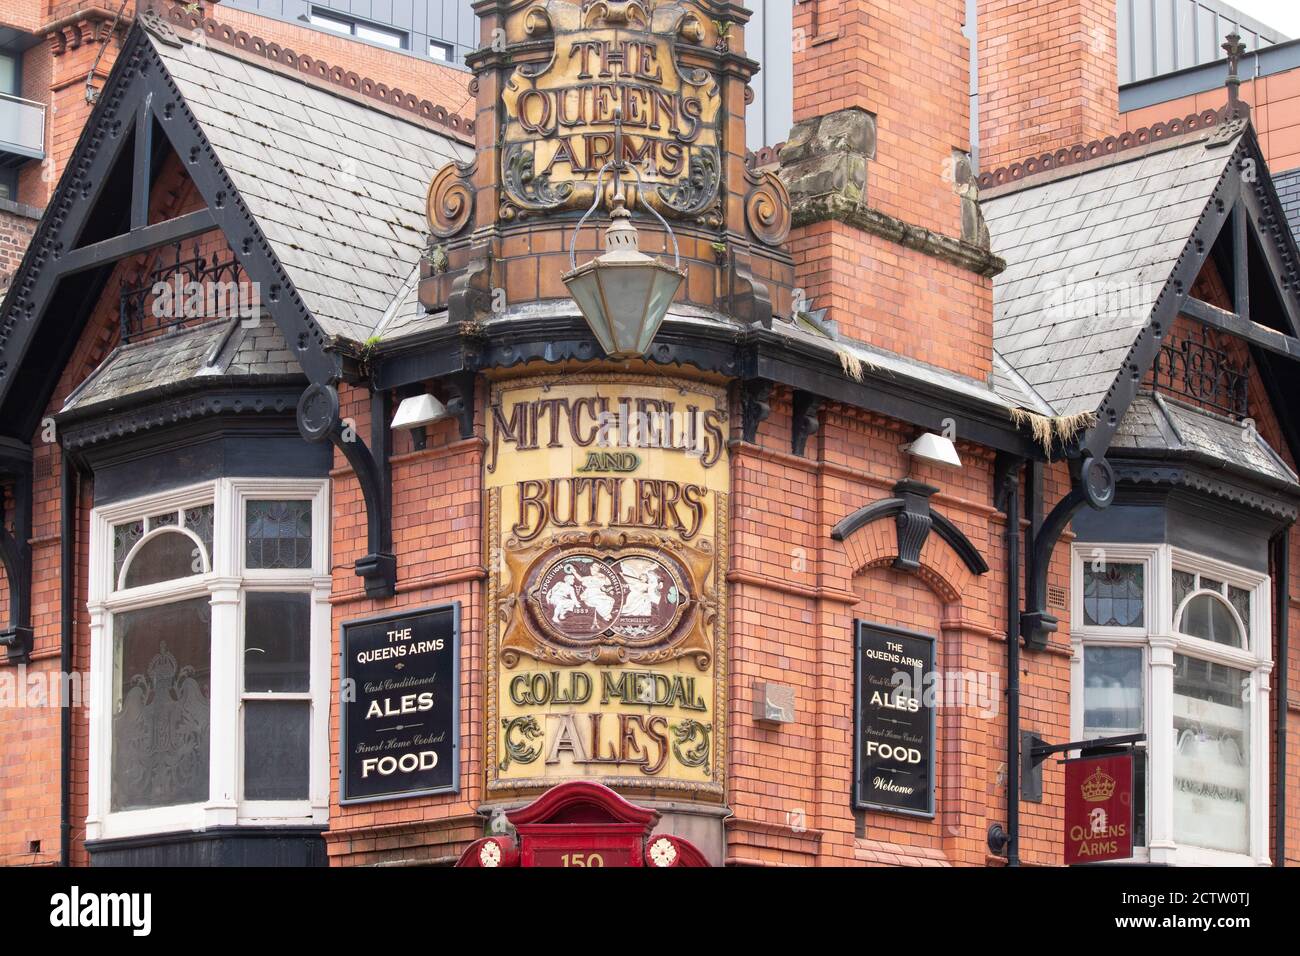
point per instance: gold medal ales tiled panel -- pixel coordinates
(607, 516)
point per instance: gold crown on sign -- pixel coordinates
(1098, 787)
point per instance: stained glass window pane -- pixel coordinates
(278, 534)
(1207, 617)
(1112, 595)
(199, 521)
(1184, 584)
(163, 520)
(161, 710)
(1211, 755)
(277, 642)
(1240, 599)
(277, 749)
(124, 538)
(1209, 584)
(168, 556)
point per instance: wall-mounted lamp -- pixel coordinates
(418, 411)
(935, 449)
(623, 294)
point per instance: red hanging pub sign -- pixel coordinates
(1098, 809)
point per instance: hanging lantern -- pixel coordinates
(623, 293)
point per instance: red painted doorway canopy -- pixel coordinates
(586, 825)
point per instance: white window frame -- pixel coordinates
(1160, 642)
(380, 34)
(224, 581)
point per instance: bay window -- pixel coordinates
(1177, 646)
(210, 642)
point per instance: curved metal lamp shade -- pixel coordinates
(623, 293)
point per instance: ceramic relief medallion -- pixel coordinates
(607, 511)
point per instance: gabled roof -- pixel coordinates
(1089, 249)
(319, 192)
(337, 187)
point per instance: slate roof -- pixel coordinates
(1088, 250)
(880, 362)
(226, 348)
(1288, 190)
(1011, 386)
(337, 187)
(1156, 424)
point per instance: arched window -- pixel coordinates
(211, 604)
(1208, 616)
(164, 556)
(1206, 746)
(163, 547)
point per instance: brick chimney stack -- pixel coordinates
(888, 236)
(1048, 76)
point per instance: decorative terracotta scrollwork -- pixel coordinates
(451, 199)
(616, 13)
(767, 207)
(537, 22)
(691, 29)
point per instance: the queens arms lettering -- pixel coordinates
(609, 67)
(624, 77)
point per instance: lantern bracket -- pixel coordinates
(618, 164)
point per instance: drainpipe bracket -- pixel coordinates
(999, 839)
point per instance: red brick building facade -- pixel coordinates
(845, 310)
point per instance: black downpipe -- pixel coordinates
(68, 495)
(1011, 507)
(1282, 590)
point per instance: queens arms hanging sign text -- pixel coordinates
(607, 515)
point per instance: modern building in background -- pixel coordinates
(1158, 37)
(447, 31)
(442, 30)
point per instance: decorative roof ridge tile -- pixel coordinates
(1110, 146)
(319, 73)
(764, 156)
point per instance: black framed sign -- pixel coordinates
(399, 707)
(893, 734)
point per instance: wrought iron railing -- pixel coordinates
(177, 291)
(1205, 373)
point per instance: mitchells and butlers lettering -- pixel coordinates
(607, 530)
